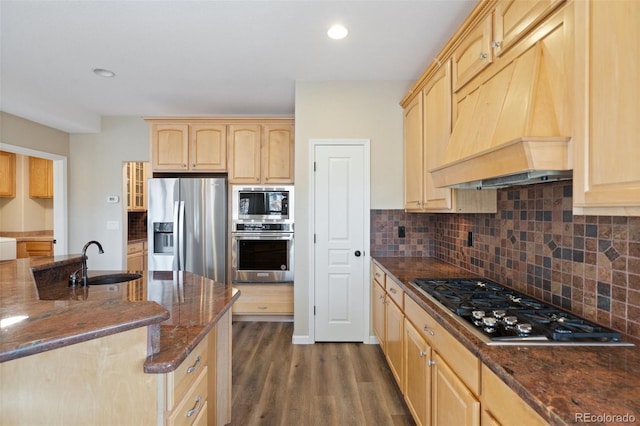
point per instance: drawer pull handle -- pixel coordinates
(392, 290)
(197, 407)
(431, 363)
(195, 365)
(262, 308)
(422, 354)
(428, 330)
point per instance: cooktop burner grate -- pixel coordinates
(502, 315)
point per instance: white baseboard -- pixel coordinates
(302, 340)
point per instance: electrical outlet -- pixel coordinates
(401, 232)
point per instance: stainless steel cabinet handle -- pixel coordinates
(428, 330)
(197, 407)
(422, 354)
(495, 44)
(195, 365)
(483, 55)
(431, 363)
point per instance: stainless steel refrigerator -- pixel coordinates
(187, 224)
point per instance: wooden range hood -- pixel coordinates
(512, 129)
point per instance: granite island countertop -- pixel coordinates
(179, 307)
(560, 382)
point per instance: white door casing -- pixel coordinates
(341, 234)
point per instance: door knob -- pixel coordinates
(357, 253)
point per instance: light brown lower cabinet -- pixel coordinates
(502, 406)
(417, 379)
(135, 256)
(34, 248)
(394, 331)
(453, 402)
(439, 378)
(102, 382)
(264, 299)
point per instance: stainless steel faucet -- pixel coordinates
(73, 279)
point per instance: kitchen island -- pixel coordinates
(145, 351)
(562, 384)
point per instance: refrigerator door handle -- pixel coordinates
(176, 236)
(182, 242)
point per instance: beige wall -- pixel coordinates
(22, 213)
(95, 172)
(365, 110)
(27, 134)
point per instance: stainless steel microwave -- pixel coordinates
(267, 203)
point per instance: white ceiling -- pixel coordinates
(203, 58)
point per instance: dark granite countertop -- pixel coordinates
(561, 383)
(181, 306)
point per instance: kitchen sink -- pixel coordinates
(113, 278)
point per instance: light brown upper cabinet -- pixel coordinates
(184, 147)
(473, 54)
(512, 20)
(7, 174)
(261, 153)
(413, 156)
(606, 125)
(516, 114)
(40, 178)
(427, 121)
(137, 174)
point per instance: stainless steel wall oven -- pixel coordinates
(262, 235)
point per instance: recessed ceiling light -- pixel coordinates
(104, 73)
(338, 32)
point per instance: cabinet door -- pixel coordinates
(417, 378)
(413, 156)
(277, 154)
(137, 186)
(40, 178)
(7, 174)
(244, 153)
(208, 147)
(170, 147)
(453, 403)
(394, 332)
(514, 18)
(607, 91)
(378, 305)
(437, 130)
(473, 55)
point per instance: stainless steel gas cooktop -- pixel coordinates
(501, 316)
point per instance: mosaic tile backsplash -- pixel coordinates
(589, 265)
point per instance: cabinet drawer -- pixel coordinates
(34, 249)
(182, 378)
(264, 299)
(379, 275)
(503, 404)
(459, 359)
(395, 292)
(135, 248)
(190, 408)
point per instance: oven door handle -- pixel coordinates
(262, 235)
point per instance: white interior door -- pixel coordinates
(341, 218)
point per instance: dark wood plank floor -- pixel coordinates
(278, 383)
